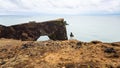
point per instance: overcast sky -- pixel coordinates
(72, 7)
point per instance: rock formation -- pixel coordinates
(54, 29)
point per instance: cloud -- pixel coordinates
(60, 6)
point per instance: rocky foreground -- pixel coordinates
(59, 54)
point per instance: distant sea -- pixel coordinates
(104, 28)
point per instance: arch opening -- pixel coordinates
(43, 38)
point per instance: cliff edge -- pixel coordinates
(59, 54)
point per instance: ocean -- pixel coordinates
(85, 28)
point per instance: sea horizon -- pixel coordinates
(85, 27)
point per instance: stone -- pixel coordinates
(95, 42)
(109, 50)
(54, 29)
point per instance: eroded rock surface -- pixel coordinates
(58, 54)
(54, 29)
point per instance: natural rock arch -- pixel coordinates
(54, 29)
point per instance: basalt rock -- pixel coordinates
(54, 29)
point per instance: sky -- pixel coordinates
(68, 7)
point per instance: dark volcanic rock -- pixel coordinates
(96, 42)
(109, 50)
(54, 29)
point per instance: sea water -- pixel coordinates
(105, 28)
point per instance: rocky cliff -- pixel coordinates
(54, 29)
